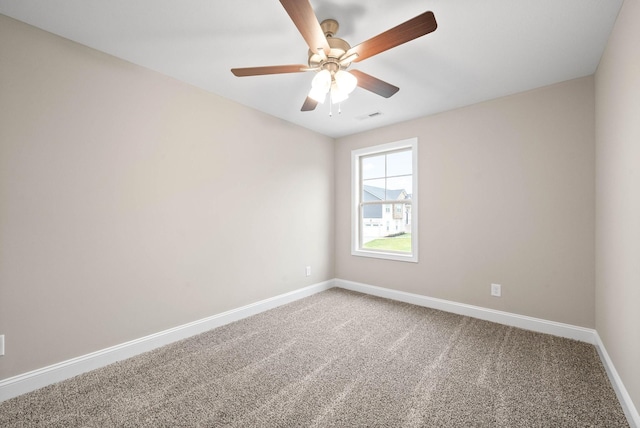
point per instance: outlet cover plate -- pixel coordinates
(496, 290)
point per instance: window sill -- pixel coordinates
(412, 258)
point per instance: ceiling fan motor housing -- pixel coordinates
(338, 47)
(329, 27)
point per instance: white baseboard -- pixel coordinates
(521, 321)
(629, 408)
(27, 382)
(528, 323)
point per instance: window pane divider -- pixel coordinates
(388, 202)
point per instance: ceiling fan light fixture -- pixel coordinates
(322, 81)
(345, 81)
(318, 95)
(338, 95)
(320, 85)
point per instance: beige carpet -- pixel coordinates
(340, 359)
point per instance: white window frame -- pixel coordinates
(356, 203)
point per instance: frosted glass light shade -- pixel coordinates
(320, 85)
(341, 84)
(346, 81)
(318, 94)
(337, 94)
(322, 81)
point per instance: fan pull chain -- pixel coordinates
(331, 109)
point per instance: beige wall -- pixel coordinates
(618, 198)
(506, 196)
(131, 203)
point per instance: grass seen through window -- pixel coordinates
(395, 243)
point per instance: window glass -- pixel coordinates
(373, 167)
(399, 163)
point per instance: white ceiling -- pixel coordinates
(481, 49)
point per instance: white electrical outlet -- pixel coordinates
(308, 270)
(496, 290)
(1, 344)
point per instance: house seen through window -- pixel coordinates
(384, 193)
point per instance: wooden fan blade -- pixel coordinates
(405, 32)
(373, 84)
(272, 69)
(301, 13)
(309, 104)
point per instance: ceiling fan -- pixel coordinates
(330, 57)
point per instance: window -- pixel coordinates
(384, 196)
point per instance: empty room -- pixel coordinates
(314, 213)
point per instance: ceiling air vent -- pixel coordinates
(369, 115)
